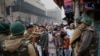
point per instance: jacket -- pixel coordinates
(43, 40)
(88, 43)
(58, 42)
(3, 37)
(75, 39)
(12, 46)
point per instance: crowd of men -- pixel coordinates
(17, 39)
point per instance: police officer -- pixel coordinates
(28, 32)
(4, 32)
(89, 39)
(83, 40)
(17, 45)
(75, 39)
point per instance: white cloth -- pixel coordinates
(50, 36)
(69, 32)
(52, 54)
(65, 28)
(39, 50)
(51, 45)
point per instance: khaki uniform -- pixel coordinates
(33, 38)
(15, 42)
(89, 43)
(2, 39)
(75, 39)
(27, 34)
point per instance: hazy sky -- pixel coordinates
(49, 4)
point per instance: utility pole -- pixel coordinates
(11, 11)
(77, 10)
(0, 7)
(20, 10)
(2, 10)
(5, 15)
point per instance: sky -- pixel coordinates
(49, 4)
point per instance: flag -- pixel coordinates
(59, 3)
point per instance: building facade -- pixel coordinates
(28, 11)
(55, 14)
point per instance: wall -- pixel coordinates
(55, 14)
(29, 18)
(36, 3)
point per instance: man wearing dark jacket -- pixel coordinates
(43, 41)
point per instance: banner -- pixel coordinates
(68, 6)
